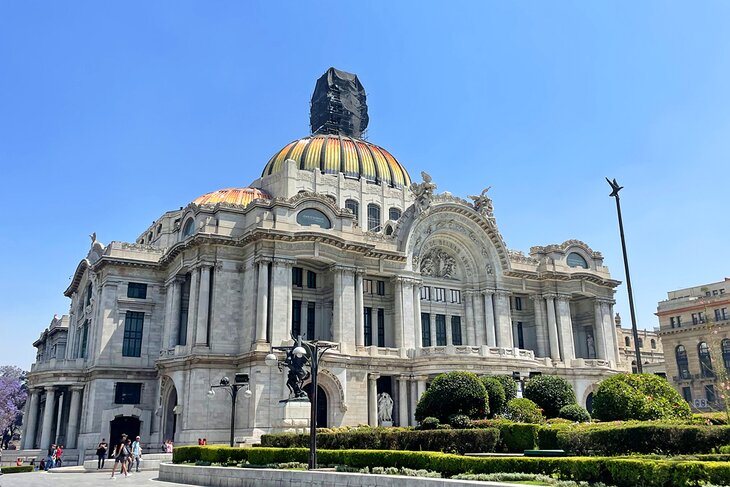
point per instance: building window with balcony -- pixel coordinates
(440, 330)
(682, 362)
(456, 330)
(425, 330)
(705, 361)
(127, 393)
(296, 276)
(133, 325)
(137, 290)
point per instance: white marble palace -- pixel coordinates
(333, 242)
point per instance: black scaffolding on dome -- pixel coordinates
(339, 105)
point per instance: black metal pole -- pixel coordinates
(314, 358)
(635, 332)
(234, 393)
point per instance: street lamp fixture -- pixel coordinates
(312, 351)
(241, 381)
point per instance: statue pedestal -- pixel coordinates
(292, 416)
(386, 424)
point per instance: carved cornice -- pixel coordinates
(563, 247)
(520, 257)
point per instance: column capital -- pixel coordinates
(342, 268)
(563, 297)
(263, 259)
(502, 293)
(360, 271)
(50, 388)
(608, 301)
(537, 297)
(420, 378)
(282, 262)
(486, 292)
(373, 376)
(549, 295)
(77, 388)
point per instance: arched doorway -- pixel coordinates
(321, 404)
(589, 403)
(127, 425)
(169, 425)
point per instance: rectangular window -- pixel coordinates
(518, 304)
(724, 313)
(426, 293)
(671, 321)
(440, 293)
(133, 324)
(520, 336)
(127, 393)
(718, 315)
(701, 316)
(710, 393)
(137, 290)
(311, 280)
(368, 326)
(296, 317)
(694, 319)
(381, 327)
(456, 330)
(310, 320)
(687, 394)
(296, 276)
(88, 294)
(679, 321)
(84, 339)
(367, 286)
(425, 330)
(455, 296)
(440, 330)
(182, 326)
(381, 288)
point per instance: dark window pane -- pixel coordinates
(311, 280)
(296, 276)
(368, 326)
(381, 327)
(296, 317)
(440, 330)
(133, 324)
(127, 393)
(456, 329)
(381, 288)
(137, 290)
(310, 320)
(426, 329)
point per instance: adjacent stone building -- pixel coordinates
(694, 328)
(333, 242)
(650, 347)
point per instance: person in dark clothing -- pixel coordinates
(101, 453)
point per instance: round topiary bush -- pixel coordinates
(550, 393)
(460, 421)
(453, 393)
(495, 394)
(429, 423)
(523, 410)
(509, 385)
(575, 413)
(638, 396)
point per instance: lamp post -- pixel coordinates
(240, 382)
(615, 188)
(314, 350)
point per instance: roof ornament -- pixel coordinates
(96, 250)
(423, 192)
(483, 204)
(339, 105)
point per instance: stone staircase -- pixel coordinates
(150, 461)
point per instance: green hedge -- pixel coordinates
(641, 438)
(621, 472)
(20, 469)
(447, 440)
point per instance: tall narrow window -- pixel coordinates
(687, 394)
(426, 293)
(705, 361)
(725, 345)
(373, 218)
(182, 326)
(368, 326)
(367, 286)
(425, 330)
(311, 280)
(296, 317)
(133, 325)
(296, 276)
(710, 393)
(310, 320)
(627, 341)
(87, 301)
(381, 327)
(456, 330)
(440, 330)
(682, 362)
(354, 207)
(84, 339)
(189, 227)
(520, 335)
(518, 304)
(380, 287)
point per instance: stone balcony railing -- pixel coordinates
(476, 351)
(58, 364)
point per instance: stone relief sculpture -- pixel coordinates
(385, 408)
(483, 204)
(423, 192)
(437, 263)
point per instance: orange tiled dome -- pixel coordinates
(232, 196)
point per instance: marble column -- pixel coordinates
(193, 306)
(540, 325)
(471, 336)
(61, 396)
(504, 319)
(414, 402)
(373, 399)
(420, 386)
(47, 430)
(489, 319)
(201, 331)
(432, 328)
(72, 431)
(337, 305)
(398, 311)
(449, 332)
(280, 306)
(32, 422)
(403, 400)
(172, 318)
(599, 339)
(609, 331)
(359, 311)
(565, 326)
(262, 301)
(417, 316)
(479, 319)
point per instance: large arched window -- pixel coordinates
(576, 260)
(682, 362)
(189, 227)
(725, 345)
(354, 207)
(373, 218)
(705, 361)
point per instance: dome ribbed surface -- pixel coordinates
(333, 154)
(232, 196)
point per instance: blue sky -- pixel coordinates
(113, 113)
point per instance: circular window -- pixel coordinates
(310, 216)
(577, 260)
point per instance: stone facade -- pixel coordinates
(408, 282)
(694, 328)
(650, 346)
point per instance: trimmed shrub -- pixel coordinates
(460, 421)
(430, 423)
(453, 393)
(17, 469)
(523, 410)
(518, 437)
(509, 385)
(638, 396)
(209, 454)
(495, 394)
(576, 413)
(550, 392)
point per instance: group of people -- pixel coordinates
(202, 442)
(126, 454)
(53, 458)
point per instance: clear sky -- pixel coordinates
(112, 113)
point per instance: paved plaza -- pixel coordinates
(45, 479)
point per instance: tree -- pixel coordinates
(510, 386)
(495, 394)
(550, 393)
(453, 393)
(13, 394)
(638, 396)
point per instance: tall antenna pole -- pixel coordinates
(615, 189)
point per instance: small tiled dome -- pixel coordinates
(232, 196)
(333, 154)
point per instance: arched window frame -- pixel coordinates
(188, 227)
(653, 344)
(680, 354)
(725, 346)
(703, 351)
(374, 218)
(627, 341)
(394, 213)
(354, 206)
(575, 259)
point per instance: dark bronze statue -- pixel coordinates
(297, 375)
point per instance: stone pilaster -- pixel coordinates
(201, 328)
(503, 319)
(471, 333)
(417, 315)
(540, 325)
(47, 430)
(72, 431)
(565, 326)
(29, 432)
(600, 334)
(359, 310)
(403, 400)
(373, 399)
(281, 301)
(398, 311)
(262, 300)
(193, 306)
(491, 334)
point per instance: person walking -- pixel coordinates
(101, 450)
(137, 453)
(121, 453)
(50, 459)
(59, 452)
